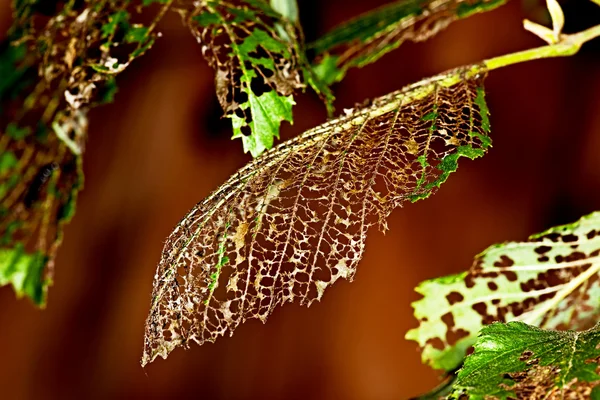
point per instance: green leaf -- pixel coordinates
(368, 37)
(119, 18)
(24, 272)
(327, 69)
(550, 280)
(268, 110)
(137, 34)
(515, 360)
(258, 63)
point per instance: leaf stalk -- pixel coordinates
(567, 46)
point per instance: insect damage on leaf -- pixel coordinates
(368, 37)
(294, 221)
(550, 281)
(53, 69)
(256, 62)
(515, 360)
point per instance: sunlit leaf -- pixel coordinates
(550, 281)
(294, 221)
(53, 69)
(519, 361)
(367, 37)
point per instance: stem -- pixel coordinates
(569, 45)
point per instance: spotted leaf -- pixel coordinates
(550, 281)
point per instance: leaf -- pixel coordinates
(24, 271)
(368, 37)
(52, 72)
(257, 65)
(515, 360)
(550, 280)
(294, 221)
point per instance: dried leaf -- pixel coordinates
(257, 65)
(515, 360)
(366, 38)
(294, 221)
(550, 281)
(53, 70)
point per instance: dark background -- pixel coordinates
(161, 147)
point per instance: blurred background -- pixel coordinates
(162, 147)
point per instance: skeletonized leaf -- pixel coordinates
(294, 221)
(515, 360)
(550, 281)
(257, 65)
(366, 38)
(53, 70)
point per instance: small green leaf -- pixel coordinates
(120, 17)
(137, 34)
(268, 110)
(24, 271)
(328, 71)
(206, 19)
(515, 360)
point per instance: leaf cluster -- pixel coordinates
(295, 219)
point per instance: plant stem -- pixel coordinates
(569, 45)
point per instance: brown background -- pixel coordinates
(161, 147)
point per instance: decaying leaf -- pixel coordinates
(550, 281)
(367, 37)
(256, 59)
(53, 70)
(519, 361)
(294, 221)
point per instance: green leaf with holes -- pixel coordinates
(551, 281)
(368, 37)
(258, 64)
(268, 110)
(516, 360)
